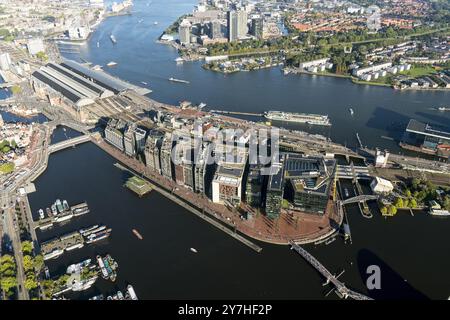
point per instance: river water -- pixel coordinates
(379, 112)
(412, 252)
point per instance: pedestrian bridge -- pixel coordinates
(361, 198)
(68, 143)
(340, 287)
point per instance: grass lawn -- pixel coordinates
(6, 168)
(419, 71)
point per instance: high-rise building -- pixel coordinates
(257, 28)
(184, 31)
(227, 182)
(215, 29)
(242, 28)
(166, 157)
(275, 189)
(204, 154)
(114, 133)
(311, 180)
(1, 121)
(153, 149)
(129, 141)
(232, 26)
(253, 189)
(139, 138)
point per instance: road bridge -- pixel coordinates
(69, 143)
(359, 199)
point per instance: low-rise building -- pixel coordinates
(380, 185)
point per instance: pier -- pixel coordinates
(74, 211)
(56, 247)
(237, 113)
(340, 287)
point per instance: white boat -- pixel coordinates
(112, 64)
(179, 60)
(155, 23)
(54, 254)
(131, 292)
(113, 39)
(41, 214)
(144, 83)
(76, 267)
(440, 213)
(75, 246)
(351, 111)
(98, 44)
(194, 250)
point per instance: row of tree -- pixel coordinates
(8, 272)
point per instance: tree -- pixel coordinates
(16, 89)
(383, 210)
(413, 203)
(27, 247)
(398, 203)
(392, 210)
(408, 193)
(38, 263)
(8, 283)
(31, 283)
(28, 263)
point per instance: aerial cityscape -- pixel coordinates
(224, 150)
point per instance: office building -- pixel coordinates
(114, 133)
(166, 157)
(275, 189)
(311, 181)
(253, 189)
(257, 28)
(153, 149)
(184, 31)
(237, 25)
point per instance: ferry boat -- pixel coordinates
(351, 111)
(308, 118)
(59, 205)
(113, 39)
(179, 80)
(131, 292)
(440, 213)
(77, 267)
(54, 210)
(41, 214)
(111, 64)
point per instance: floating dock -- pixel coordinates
(138, 186)
(54, 248)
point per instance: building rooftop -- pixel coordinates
(418, 127)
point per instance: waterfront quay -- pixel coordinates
(260, 228)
